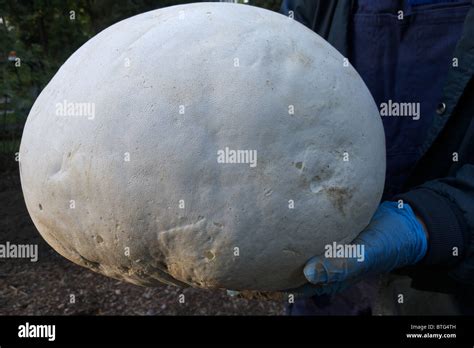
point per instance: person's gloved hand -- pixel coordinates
(394, 238)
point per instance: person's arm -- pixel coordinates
(431, 234)
(446, 206)
(394, 238)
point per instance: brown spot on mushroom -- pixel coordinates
(338, 196)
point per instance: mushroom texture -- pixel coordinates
(211, 145)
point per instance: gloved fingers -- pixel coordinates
(395, 240)
(321, 270)
(384, 216)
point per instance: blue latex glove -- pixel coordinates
(394, 238)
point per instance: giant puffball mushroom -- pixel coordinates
(210, 145)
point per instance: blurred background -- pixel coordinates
(36, 37)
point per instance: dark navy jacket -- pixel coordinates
(436, 174)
